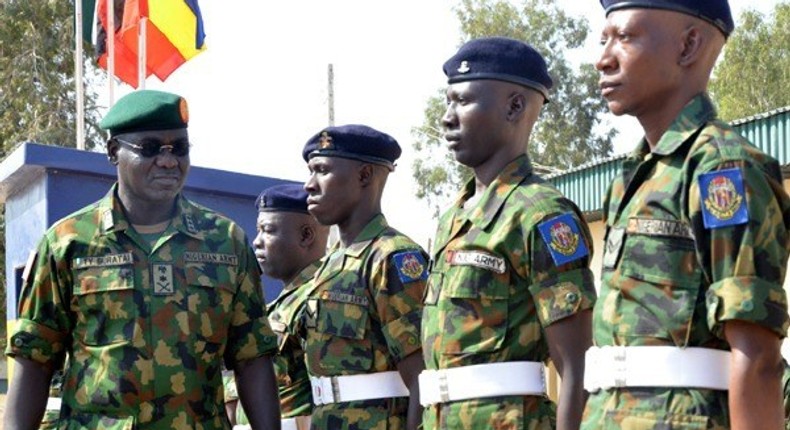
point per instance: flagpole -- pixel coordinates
(78, 72)
(142, 55)
(111, 51)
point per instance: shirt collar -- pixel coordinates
(694, 115)
(113, 217)
(497, 192)
(372, 230)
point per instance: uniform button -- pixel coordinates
(572, 298)
(19, 341)
(747, 305)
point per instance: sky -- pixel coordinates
(260, 89)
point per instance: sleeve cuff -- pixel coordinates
(564, 295)
(748, 299)
(403, 335)
(36, 342)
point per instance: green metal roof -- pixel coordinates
(587, 184)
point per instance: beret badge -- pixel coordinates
(183, 110)
(325, 142)
(464, 67)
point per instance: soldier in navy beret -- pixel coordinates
(692, 312)
(289, 245)
(508, 243)
(362, 323)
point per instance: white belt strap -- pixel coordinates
(351, 388)
(515, 378)
(656, 366)
(295, 423)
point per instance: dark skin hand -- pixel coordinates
(755, 393)
(568, 340)
(409, 369)
(27, 395)
(257, 387)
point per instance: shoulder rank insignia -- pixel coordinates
(723, 198)
(563, 238)
(411, 266)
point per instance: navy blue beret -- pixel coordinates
(501, 59)
(284, 197)
(716, 12)
(357, 142)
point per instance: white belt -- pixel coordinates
(513, 378)
(337, 389)
(301, 422)
(53, 403)
(656, 366)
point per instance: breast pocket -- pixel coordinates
(667, 281)
(103, 299)
(343, 324)
(210, 294)
(474, 309)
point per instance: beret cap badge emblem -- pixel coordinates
(325, 141)
(464, 67)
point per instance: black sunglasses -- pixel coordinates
(153, 147)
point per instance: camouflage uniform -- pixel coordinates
(146, 327)
(362, 317)
(292, 379)
(669, 280)
(496, 310)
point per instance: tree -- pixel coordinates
(754, 75)
(565, 134)
(37, 96)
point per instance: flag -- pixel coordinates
(174, 34)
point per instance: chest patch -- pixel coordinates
(723, 198)
(561, 235)
(411, 266)
(163, 279)
(479, 259)
(210, 257)
(103, 260)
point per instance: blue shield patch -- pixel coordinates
(563, 238)
(411, 266)
(723, 198)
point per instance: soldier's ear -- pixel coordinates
(112, 151)
(306, 235)
(692, 41)
(365, 174)
(517, 104)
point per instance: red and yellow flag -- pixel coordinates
(174, 34)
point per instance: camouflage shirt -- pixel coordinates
(697, 235)
(363, 316)
(147, 327)
(495, 286)
(293, 381)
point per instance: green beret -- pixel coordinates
(146, 110)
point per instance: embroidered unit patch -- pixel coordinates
(562, 236)
(723, 198)
(411, 266)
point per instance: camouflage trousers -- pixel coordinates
(386, 414)
(656, 409)
(497, 413)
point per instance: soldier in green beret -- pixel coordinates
(692, 312)
(147, 292)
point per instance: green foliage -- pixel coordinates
(754, 75)
(564, 136)
(37, 94)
